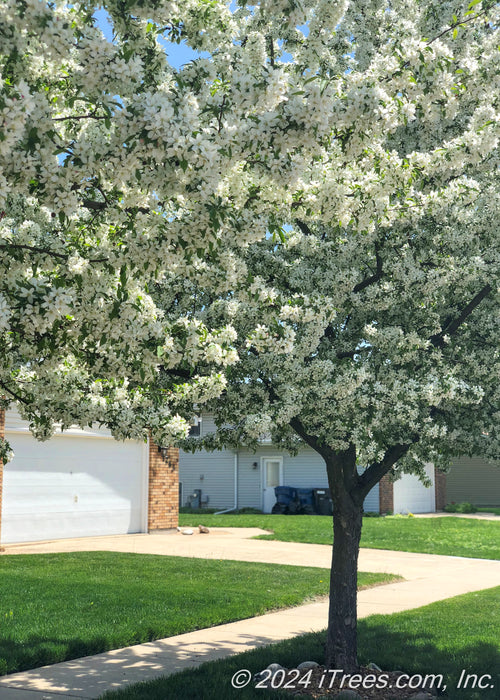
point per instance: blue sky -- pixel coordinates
(178, 54)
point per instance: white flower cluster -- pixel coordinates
(142, 212)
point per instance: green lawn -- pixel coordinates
(495, 511)
(442, 638)
(461, 537)
(55, 607)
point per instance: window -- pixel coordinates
(195, 429)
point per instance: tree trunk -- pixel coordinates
(341, 646)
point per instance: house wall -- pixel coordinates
(411, 496)
(163, 491)
(79, 483)
(386, 495)
(474, 480)
(2, 435)
(440, 484)
(305, 470)
(212, 472)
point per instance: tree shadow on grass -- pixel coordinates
(408, 652)
(38, 650)
(418, 653)
(411, 654)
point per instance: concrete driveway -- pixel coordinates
(428, 578)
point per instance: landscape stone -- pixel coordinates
(348, 694)
(306, 665)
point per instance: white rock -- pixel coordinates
(306, 665)
(187, 532)
(274, 667)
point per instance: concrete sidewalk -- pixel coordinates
(428, 578)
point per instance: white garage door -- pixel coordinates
(411, 496)
(73, 486)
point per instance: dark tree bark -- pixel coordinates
(341, 646)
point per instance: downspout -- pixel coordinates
(235, 507)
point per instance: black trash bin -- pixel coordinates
(323, 503)
(286, 500)
(306, 501)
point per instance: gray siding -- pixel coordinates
(207, 425)
(212, 472)
(305, 470)
(474, 480)
(372, 503)
(249, 479)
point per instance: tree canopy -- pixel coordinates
(312, 204)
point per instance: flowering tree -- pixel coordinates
(359, 137)
(369, 330)
(116, 168)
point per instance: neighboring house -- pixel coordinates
(474, 480)
(242, 478)
(84, 483)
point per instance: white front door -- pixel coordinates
(272, 475)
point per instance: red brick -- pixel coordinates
(163, 501)
(386, 495)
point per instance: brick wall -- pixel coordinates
(2, 435)
(163, 500)
(440, 486)
(386, 495)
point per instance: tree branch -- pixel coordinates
(271, 50)
(304, 227)
(458, 23)
(13, 394)
(373, 278)
(377, 470)
(221, 112)
(33, 249)
(452, 325)
(82, 116)
(94, 206)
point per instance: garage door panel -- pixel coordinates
(64, 524)
(72, 487)
(411, 496)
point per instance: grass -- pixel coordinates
(463, 537)
(56, 607)
(491, 509)
(442, 638)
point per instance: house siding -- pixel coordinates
(305, 470)
(250, 479)
(212, 472)
(474, 480)
(2, 435)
